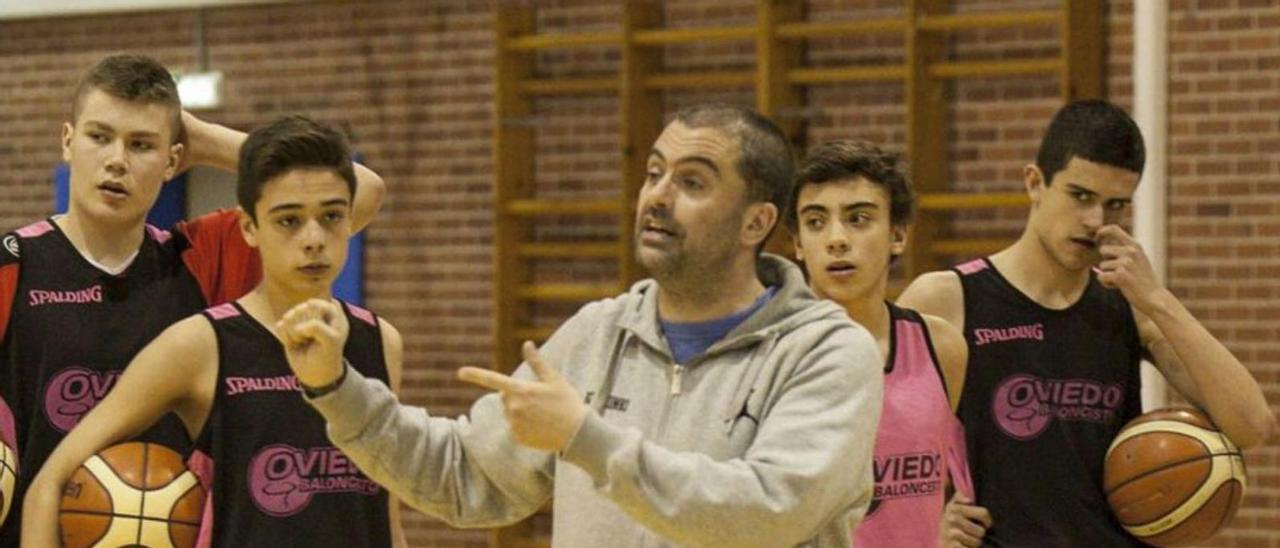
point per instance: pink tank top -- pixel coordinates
(919, 440)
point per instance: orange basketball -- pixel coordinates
(1172, 478)
(132, 494)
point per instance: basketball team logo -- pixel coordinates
(1025, 405)
(905, 475)
(73, 392)
(283, 478)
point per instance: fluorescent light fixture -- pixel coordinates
(200, 90)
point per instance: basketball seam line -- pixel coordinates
(127, 516)
(146, 469)
(1163, 468)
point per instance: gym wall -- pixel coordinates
(413, 83)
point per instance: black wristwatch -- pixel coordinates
(319, 391)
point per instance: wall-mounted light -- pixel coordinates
(200, 90)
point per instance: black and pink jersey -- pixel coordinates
(274, 478)
(1045, 393)
(68, 329)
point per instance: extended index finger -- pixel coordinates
(492, 380)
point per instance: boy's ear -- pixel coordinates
(248, 227)
(176, 153)
(1033, 182)
(898, 241)
(68, 133)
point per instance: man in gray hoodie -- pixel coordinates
(717, 404)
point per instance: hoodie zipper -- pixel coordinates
(677, 371)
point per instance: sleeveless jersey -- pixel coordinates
(912, 444)
(274, 477)
(68, 329)
(1045, 393)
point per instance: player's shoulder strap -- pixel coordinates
(360, 313)
(925, 337)
(11, 250)
(221, 312)
(971, 267)
(364, 344)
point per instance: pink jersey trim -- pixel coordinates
(35, 229)
(160, 236)
(362, 314)
(972, 267)
(223, 311)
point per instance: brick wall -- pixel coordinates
(413, 84)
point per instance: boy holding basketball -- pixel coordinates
(1056, 326)
(849, 221)
(82, 293)
(274, 478)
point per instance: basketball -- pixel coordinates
(8, 460)
(8, 477)
(1172, 478)
(132, 494)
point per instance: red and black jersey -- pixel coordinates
(1045, 393)
(274, 477)
(68, 329)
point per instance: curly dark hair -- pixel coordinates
(845, 159)
(288, 143)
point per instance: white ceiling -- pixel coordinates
(17, 9)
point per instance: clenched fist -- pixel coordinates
(314, 334)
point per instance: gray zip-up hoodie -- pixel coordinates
(765, 439)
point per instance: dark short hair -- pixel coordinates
(133, 78)
(765, 160)
(1093, 130)
(289, 143)
(845, 159)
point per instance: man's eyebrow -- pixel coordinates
(860, 205)
(283, 207)
(1079, 188)
(702, 160)
(813, 208)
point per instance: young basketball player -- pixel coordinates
(849, 221)
(1056, 325)
(82, 293)
(274, 478)
(717, 404)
